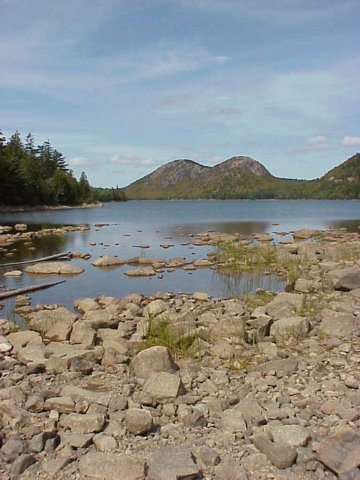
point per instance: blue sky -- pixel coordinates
(122, 86)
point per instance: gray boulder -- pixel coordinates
(54, 268)
(110, 466)
(152, 360)
(163, 386)
(138, 421)
(172, 462)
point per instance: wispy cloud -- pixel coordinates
(351, 141)
(224, 112)
(278, 11)
(170, 101)
(317, 143)
(82, 162)
(133, 160)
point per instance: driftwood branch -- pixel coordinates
(31, 288)
(59, 256)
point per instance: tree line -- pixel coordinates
(39, 175)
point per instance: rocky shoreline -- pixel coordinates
(36, 208)
(191, 387)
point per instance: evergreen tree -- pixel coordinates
(84, 188)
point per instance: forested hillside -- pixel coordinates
(243, 178)
(39, 175)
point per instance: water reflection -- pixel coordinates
(348, 225)
(125, 227)
(241, 283)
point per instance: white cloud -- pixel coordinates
(133, 160)
(351, 141)
(317, 143)
(81, 162)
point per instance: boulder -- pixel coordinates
(104, 443)
(338, 324)
(108, 261)
(13, 273)
(24, 338)
(152, 360)
(281, 455)
(78, 394)
(83, 334)
(281, 367)
(351, 281)
(233, 421)
(293, 435)
(154, 308)
(172, 462)
(60, 404)
(54, 268)
(251, 410)
(163, 386)
(341, 451)
(100, 319)
(44, 320)
(105, 466)
(78, 423)
(138, 421)
(286, 328)
(141, 272)
(85, 304)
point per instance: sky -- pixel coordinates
(121, 87)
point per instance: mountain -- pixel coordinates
(242, 177)
(347, 171)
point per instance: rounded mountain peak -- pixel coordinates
(242, 164)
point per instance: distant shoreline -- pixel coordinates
(36, 208)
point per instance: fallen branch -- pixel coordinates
(31, 288)
(59, 256)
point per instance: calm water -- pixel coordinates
(126, 227)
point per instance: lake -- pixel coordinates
(137, 228)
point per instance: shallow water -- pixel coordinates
(125, 229)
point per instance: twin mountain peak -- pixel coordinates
(242, 177)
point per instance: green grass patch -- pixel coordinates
(180, 344)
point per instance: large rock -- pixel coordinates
(163, 386)
(78, 423)
(111, 466)
(108, 261)
(141, 272)
(101, 319)
(229, 327)
(154, 308)
(293, 435)
(152, 360)
(341, 451)
(286, 328)
(23, 338)
(351, 281)
(251, 410)
(138, 421)
(78, 394)
(282, 367)
(54, 268)
(85, 304)
(45, 320)
(233, 421)
(281, 455)
(83, 334)
(172, 463)
(338, 324)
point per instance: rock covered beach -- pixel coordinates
(192, 387)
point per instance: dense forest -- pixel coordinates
(39, 175)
